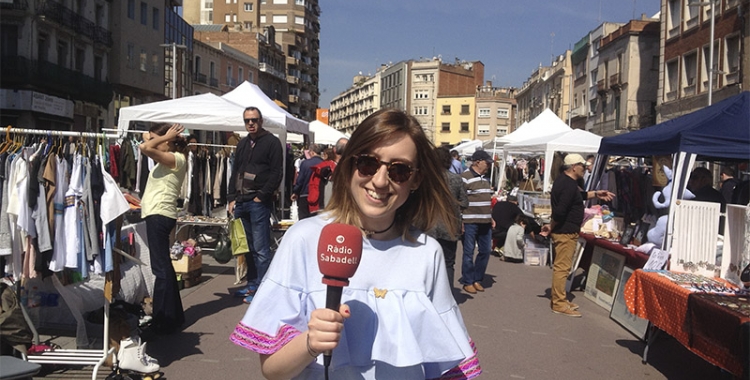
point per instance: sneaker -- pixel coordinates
(246, 291)
(572, 306)
(568, 313)
(470, 289)
(248, 300)
(478, 287)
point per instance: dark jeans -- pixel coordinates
(168, 314)
(449, 252)
(256, 217)
(480, 234)
(303, 208)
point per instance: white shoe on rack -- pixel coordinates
(132, 356)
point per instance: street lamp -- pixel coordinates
(174, 47)
(712, 4)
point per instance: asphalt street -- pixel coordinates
(516, 335)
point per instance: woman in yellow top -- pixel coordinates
(164, 144)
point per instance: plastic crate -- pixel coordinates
(535, 256)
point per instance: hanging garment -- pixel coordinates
(57, 263)
(71, 215)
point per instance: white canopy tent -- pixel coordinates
(248, 94)
(575, 140)
(467, 148)
(213, 113)
(321, 132)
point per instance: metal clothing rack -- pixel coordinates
(95, 357)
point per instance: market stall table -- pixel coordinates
(693, 319)
(633, 258)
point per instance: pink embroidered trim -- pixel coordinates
(468, 368)
(262, 343)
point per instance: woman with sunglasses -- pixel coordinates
(398, 318)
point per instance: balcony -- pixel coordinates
(293, 98)
(200, 78)
(614, 82)
(56, 79)
(58, 13)
(601, 87)
(292, 61)
(292, 79)
(15, 5)
(214, 82)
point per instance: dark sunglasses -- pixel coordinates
(254, 120)
(398, 172)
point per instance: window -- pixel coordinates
(248, 25)
(80, 55)
(263, 19)
(483, 112)
(501, 131)
(420, 111)
(250, 77)
(131, 54)
(155, 17)
(483, 130)
(144, 13)
(98, 66)
(691, 15)
(280, 1)
(144, 60)
(131, 9)
(234, 18)
(445, 127)
(421, 94)
(299, 2)
(212, 70)
(229, 75)
(705, 68)
(248, 7)
(299, 20)
(689, 72)
(240, 74)
(154, 63)
(502, 113)
(279, 19)
(229, 1)
(446, 110)
(62, 53)
(673, 18)
(464, 127)
(464, 109)
(227, 17)
(670, 85)
(732, 59)
(99, 15)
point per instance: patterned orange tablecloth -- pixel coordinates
(665, 304)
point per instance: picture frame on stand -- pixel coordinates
(603, 277)
(620, 313)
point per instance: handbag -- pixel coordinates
(238, 237)
(223, 250)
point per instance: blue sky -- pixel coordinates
(511, 38)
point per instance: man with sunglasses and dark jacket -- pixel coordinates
(256, 175)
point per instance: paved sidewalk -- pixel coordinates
(516, 334)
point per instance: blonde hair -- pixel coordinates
(428, 204)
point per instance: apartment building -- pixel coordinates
(548, 87)
(296, 26)
(394, 85)
(55, 64)
(628, 77)
(248, 51)
(456, 119)
(218, 67)
(686, 82)
(352, 106)
(423, 78)
(495, 111)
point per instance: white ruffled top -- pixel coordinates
(404, 321)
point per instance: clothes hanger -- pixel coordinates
(6, 144)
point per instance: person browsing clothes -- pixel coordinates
(164, 144)
(398, 318)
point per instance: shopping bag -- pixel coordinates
(238, 237)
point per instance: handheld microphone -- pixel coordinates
(339, 252)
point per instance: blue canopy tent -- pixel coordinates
(721, 131)
(718, 132)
